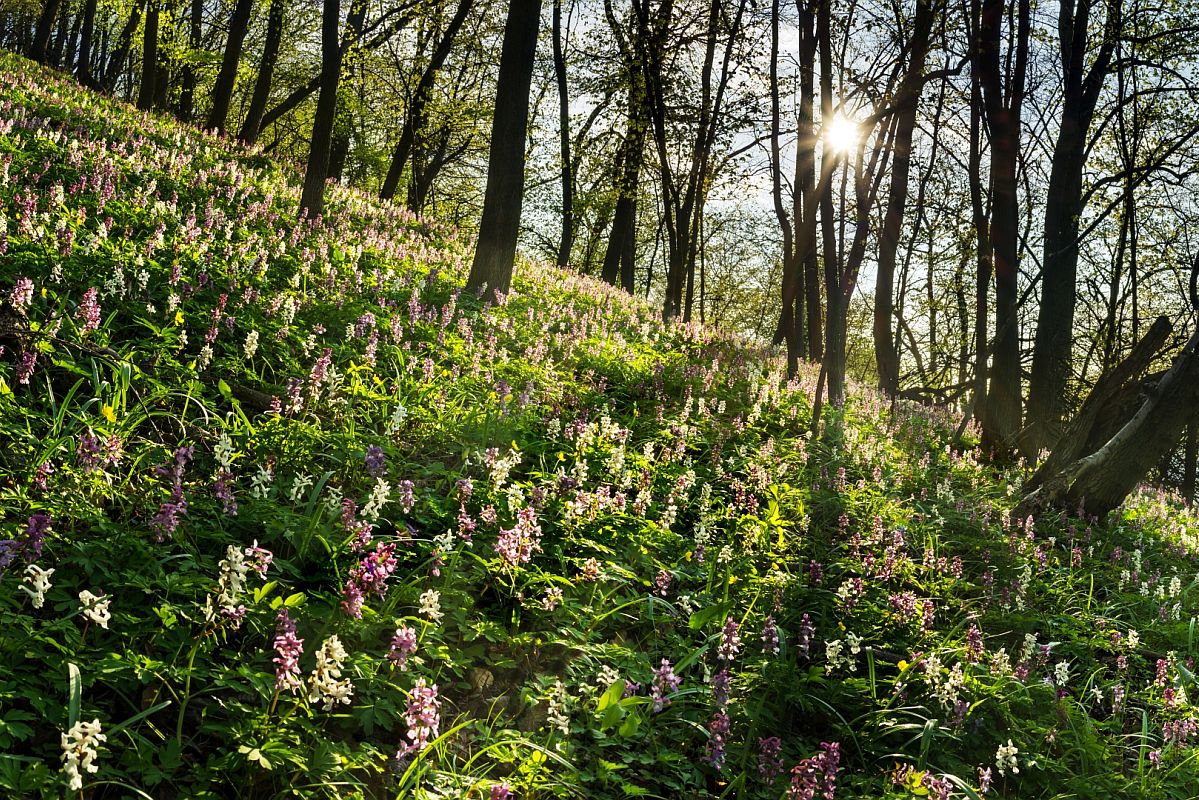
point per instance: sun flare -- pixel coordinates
(841, 134)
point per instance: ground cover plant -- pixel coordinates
(286, 513)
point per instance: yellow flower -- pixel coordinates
(178, 317)
(108, 413)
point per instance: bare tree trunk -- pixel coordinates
(1003, 97)
(566, 241)
(226, 78)
(120, 56)
(39, 49)
(252, 126)
(495, 253)
(312, 201)
(415, 116)
(907, 101)
(145, 95)
(1052, 354)
(83, 64)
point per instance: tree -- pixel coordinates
(416, 115)
(1003, 88)
(252, 125)
(312, 200)
(145, 95)
(495, 252)
(83, 63)
(906, 102)
(39, 49)
(222, 90)
(1055, 320)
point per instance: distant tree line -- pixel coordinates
(978, 202)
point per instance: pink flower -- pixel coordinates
(423, 717)
(289, 649)
(89, 311)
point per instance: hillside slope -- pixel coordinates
(286, 514)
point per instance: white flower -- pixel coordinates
(324, 685)
(230, 585)
(79, 750)
(223, 452)
(299, 486)
(374, 505)
(1005, 758)
(1133, 639)
(96, 608)
(1061, 673)
(557, 715)
(39, 583)
(430, 605)
(251, 346)
(398, 415)
(260, 484)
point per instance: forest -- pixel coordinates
(671, 398)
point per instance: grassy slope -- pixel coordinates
(674, 457)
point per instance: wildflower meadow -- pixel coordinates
(284, 512)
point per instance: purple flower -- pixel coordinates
(721, 683)
(806, 633)
(770, 761)
(259, 558)
(770, 636)
(718, 730)
(369, 575)
(815, 773)
(516, 545)
(403, 645)
(223, 490)
(662, 583)
(984, 780)
(376, 464)
(423, 717)
(407, 496)
(22, 294)
(501, 791)
(730, 641)
(289, 649)
(26, 367)
(87, 453)
(665, 681)
(89, 311)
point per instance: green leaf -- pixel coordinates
(612, 696)
(75, 681)
(224, 389)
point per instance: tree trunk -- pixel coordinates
(566, 240)
(1003, 97)
(415, 117)
(116, 65)
(40, 47)
(312, 201)
(499, 228)
(1051, 361)
(186, 110)
(145, 95)
(83, 64)
(790, 320)
(226, 78)
(252, 126)
(907, 101)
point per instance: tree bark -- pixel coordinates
(1003, 97)
(1051, 361)
(312, 200)
(499, 228)
(116, 64)
(415, 118)
(907, 100)
(40, 47)
(252, 125)
(145, 95)
(195, 31)
(226, 78)
(83, 64)
(566, 240)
